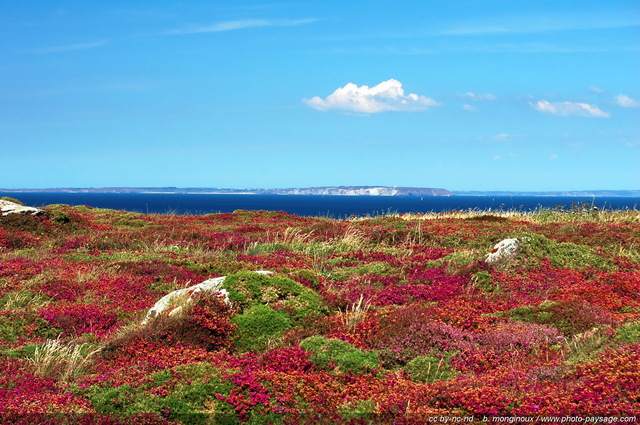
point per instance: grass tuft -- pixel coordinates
(60, 361)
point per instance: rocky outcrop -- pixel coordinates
(175, 303)
(504, 251)
(8, 207)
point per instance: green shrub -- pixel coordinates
(257, 326)
(342, 357)
(431, 368)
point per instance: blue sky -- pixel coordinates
(464, 95)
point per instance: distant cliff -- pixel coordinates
(363, 190)
(324, 190)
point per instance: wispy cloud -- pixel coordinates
(569, 109)
(502, 137)
(72, 47)
(386, 96)
(479, 97)
(626, 102)
(539, 24)
(242, 24)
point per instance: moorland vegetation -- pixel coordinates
(388, 319)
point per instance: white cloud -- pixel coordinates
(595, 89)
(553, 157)
(386, 96)
(242, 24)
(469, 108)
(626, 102)
(569, 108)
(497, 157)
(479, 97)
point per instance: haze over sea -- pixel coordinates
(314, 205)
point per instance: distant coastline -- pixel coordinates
(324, 190)
(331, 191)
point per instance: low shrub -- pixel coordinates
(17, 325)
(205, 324)
(571, 317)
(188, 394)
(22, 223)
(76, 319)
(407, 333)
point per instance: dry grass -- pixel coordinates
(356, 313)
(352, 239)
(23, 300)
(540, 216)
(60, 361)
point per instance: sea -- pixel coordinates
(338, 207)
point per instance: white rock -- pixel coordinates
(505, 250)
(8, 207)
(175, 302)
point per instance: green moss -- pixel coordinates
(431, 368)
(21, 324)
(22, 299)
(455, 261)
(247, 289)
(220, 266)
(585, 347)
(23, 351)
(629, 332)
(563, 254)
(378, 268)
(186, 394)
(484, 281)
(8, 198)
(338, 355)
(306, 277)
(532, 314)
(259, 248)
(257, 326)
(360, 409)
(60, 217)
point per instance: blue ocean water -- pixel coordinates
(312, 205)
